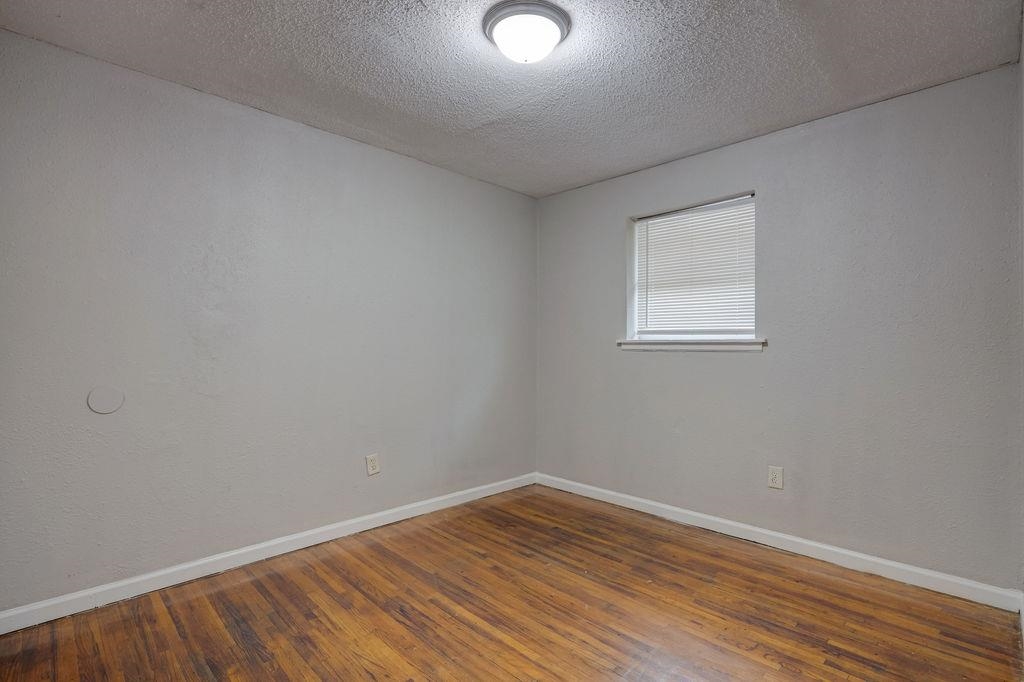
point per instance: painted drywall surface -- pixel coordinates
(1020, 160)
(889, 289)
(274, 301)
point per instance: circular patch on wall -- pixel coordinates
(104, 399)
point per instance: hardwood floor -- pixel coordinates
(530, 584)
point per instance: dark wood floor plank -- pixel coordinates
(826, 599)
(499, 610)
(530, 584)
(655, 637)
(778, 607)
(616, 573)
(529, 608)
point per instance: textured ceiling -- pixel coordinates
(636, 83)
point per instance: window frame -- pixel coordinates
(676, 341)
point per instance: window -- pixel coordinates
(693, 278)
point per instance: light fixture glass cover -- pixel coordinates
(526, 32)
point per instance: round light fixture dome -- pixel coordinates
(526, 31)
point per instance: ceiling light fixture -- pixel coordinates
(526, 31)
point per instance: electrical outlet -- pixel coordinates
(775, 477)
(372, 464)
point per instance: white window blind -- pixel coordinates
(695, 272)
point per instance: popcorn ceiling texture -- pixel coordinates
(636, 83)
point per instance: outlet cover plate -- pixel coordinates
(775, 477)
(372, 464)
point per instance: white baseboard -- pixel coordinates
(1003, 598)
(83, 600)
(57, 607)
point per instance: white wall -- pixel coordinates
(275, 301)
(889, 288)
(218, 264)
(1020, 166)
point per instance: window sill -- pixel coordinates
(704, 344)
